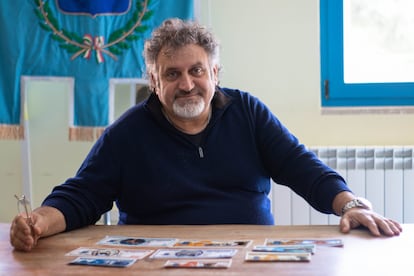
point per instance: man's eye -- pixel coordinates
(198, 71)
(171, 75)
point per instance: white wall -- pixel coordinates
(269, 48)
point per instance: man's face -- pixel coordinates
(185, 81)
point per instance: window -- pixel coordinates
(367, 53)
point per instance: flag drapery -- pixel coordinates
(90, 40)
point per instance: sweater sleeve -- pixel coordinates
(85, 197)
(289, 163)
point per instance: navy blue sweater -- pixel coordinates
(159, 175)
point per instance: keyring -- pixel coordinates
(23, 206)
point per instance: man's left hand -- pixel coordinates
(377, 224)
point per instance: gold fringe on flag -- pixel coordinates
(11, 132)
(99, 131)
(85, 133)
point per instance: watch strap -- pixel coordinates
(355, 203)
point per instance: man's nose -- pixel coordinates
(186, 82)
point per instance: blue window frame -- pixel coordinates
(334, 91)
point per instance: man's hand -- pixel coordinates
(45, 221)
(24, 236)
(377, 224)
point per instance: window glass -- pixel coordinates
(378, 41)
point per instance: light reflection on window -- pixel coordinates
(378, 41)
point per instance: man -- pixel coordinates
(193, 153)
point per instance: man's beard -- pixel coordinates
(190, 109)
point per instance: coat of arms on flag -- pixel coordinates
(89, 40)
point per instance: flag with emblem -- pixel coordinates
(90, 41)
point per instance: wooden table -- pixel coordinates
(362, 254)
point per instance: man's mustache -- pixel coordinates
(186, 92)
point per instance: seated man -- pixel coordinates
(193, 153)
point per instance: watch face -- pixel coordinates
(357, 203)
(364, 203)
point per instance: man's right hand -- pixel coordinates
(24, 236)
(45, 221)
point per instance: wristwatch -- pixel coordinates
(356, 203)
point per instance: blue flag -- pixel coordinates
(90, 40)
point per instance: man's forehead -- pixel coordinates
(168, 52)
(186, 50)
(184, 56)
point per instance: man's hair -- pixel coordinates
(175, 33)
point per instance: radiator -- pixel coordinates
(383, 175)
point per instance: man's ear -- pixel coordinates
(153, 83)
(215, 74)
